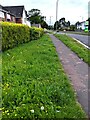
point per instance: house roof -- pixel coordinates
(16, 10)
(2, 8)
(82, 22)
(5, 10)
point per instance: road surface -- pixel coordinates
(82, 38)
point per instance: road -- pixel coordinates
(82, 38)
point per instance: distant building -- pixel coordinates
(87, 25)
(81, 25)
(36, 25)
(15, 14)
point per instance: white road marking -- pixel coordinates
(81, 43)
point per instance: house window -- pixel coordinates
(8, 17)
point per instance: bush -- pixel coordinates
(14, 34)
(36, 33)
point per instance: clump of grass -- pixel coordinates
(35, 85)
(76, 47)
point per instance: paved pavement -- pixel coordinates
(82, 38)
(76, 70)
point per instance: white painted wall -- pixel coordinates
(82, 26)
(1, 14)
(28, 23)
(24, 19)
(8, 16)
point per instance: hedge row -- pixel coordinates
(15, 34)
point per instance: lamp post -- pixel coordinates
(56, 13)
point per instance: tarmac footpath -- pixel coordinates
(76, 70)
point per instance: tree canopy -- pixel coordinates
(34, 15)
(62, 24)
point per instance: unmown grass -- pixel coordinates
(35, 85)
(76, 47)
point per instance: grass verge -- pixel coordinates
(76, 47)
(79, 33)
(35, 85)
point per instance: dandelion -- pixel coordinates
(7, 84)
(7, 113)
(21, 52)
(15, 114)
(12, 57)
(32, 111)
(57, 111)
(42, 107)
(8, 54)
(24, 61)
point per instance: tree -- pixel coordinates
(50, 27)
(72, 27)
(77, 23)
(56, 23)
(63, 23)
(34, 15)
(44, 24)
(68, 24)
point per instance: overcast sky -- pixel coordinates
(72, 10)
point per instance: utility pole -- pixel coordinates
(50, 19)
(56, 13)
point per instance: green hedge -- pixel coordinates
(36, 33)
(15, 34)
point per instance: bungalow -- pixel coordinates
(19, 13)
(6, 15)
(81, 25)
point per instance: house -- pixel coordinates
(36, 25)
(87, 27)
(19, 13)
(81, 25)
(5, 15)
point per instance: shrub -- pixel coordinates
(14, 34)
(36, 33)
